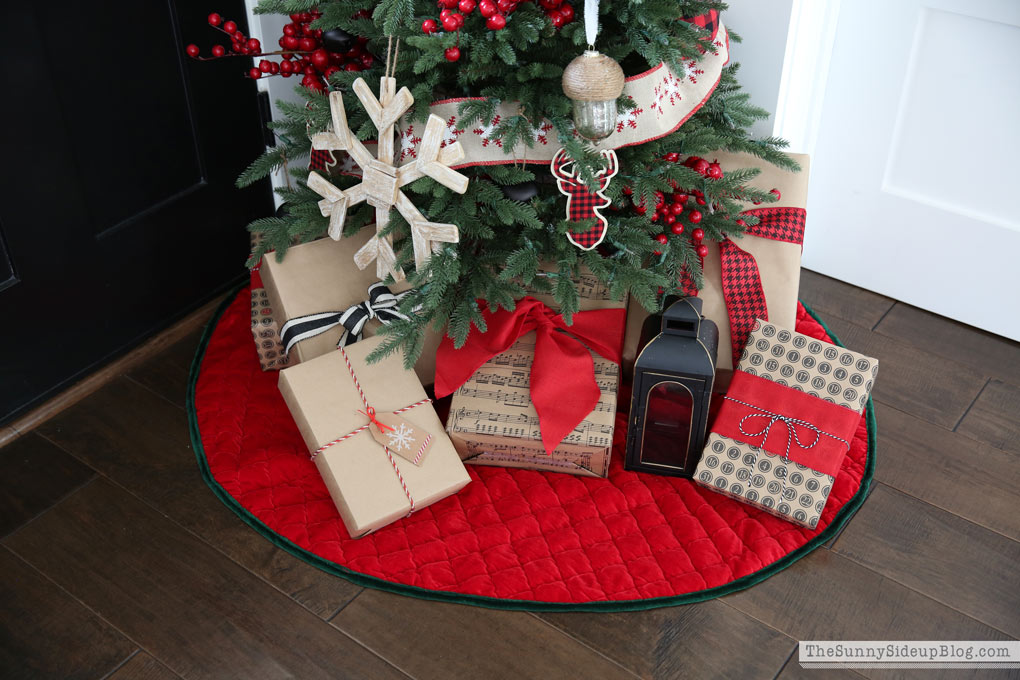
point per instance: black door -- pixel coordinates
(118, 212)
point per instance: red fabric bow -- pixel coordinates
(563, 387)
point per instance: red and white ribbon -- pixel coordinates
(663, 100)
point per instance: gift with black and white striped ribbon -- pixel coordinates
(381, 304)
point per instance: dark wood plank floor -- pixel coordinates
(117, 562)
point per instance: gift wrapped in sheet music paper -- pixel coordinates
(493, 420)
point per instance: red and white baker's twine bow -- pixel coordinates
(389, 455)
(791, 432)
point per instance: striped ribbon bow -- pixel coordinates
(381, 304)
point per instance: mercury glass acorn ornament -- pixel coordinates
(594, 82)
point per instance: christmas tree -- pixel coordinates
(505, 60)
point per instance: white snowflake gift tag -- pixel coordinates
(399, 436)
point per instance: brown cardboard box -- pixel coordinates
(778, 262)
(324, 401)
(321, 277)
(768, 481)
(493, 422)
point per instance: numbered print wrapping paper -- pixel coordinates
(786, 422)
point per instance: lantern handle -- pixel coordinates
(683, 317)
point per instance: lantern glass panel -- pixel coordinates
(667, 426)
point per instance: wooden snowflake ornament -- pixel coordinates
(382, 179)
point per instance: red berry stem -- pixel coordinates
(250, 56)
(304, 52)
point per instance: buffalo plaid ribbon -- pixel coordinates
(741, 280)
(778, 224)
(321, 161)
(708, 21)
(582, 207)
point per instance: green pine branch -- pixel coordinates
(506, 246)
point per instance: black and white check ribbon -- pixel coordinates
(381, 304)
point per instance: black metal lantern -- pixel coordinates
(673, 378)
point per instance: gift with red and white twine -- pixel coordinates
(373, 435)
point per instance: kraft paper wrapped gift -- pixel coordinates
(493, 422)
(785, 424)
(321, 277)
(325, 403)
(778, 261)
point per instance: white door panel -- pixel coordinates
(268, 28)
(763, 27)
(910, 179)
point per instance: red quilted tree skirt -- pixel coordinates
(515, 539)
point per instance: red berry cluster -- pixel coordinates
(494, 12)
(699, 165)
(314, 58)
(304, 52)
(669, 209)
(774, 192)
(452, 20)
(560, 13)
(240, 44)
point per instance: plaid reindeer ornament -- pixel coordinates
(582, 204)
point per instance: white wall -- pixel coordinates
(764, 26)
(268, 28)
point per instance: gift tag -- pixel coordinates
(399, 436)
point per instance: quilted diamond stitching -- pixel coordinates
(514, 534)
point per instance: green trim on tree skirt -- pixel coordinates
(845, 513)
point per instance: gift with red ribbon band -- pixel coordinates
(786, 422)
(563, 388)
(391, 457)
